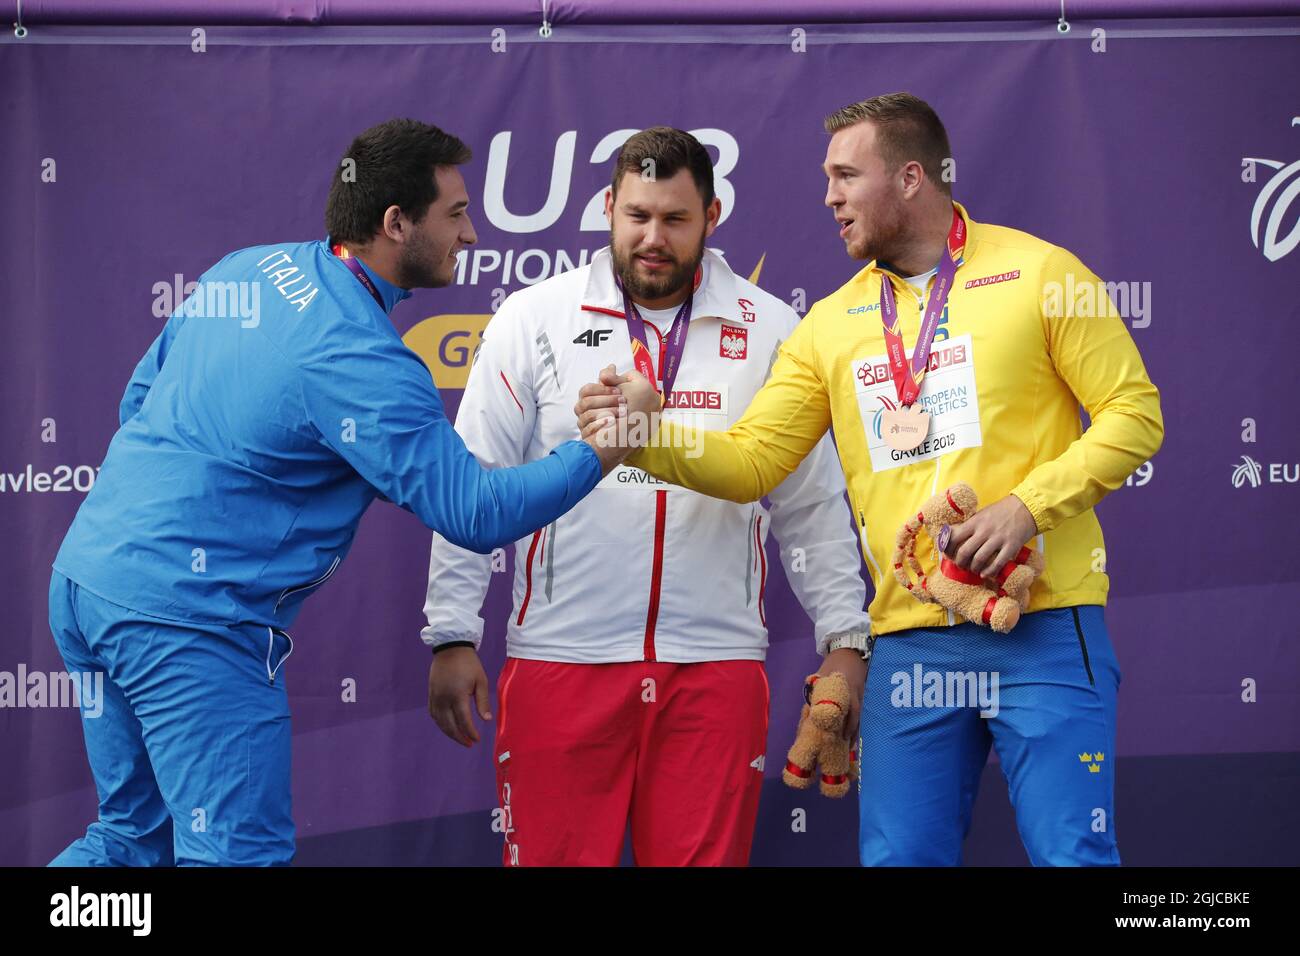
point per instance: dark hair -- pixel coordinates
(670, 150)
(392, 164)
(907, 129)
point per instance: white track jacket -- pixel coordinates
(641, 569)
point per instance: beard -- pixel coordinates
(888, 236)
(679, 275)
(417, 268)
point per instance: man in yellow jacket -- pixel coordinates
(999, 344)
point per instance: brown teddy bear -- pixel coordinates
(820, 739)
(997, 601)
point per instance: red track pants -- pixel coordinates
(676, 749)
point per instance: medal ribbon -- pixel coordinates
(674, 344)
(907, 381)
(354, 267)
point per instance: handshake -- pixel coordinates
(617, 415)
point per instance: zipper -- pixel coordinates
(762, 557)
(656, 575)
(550, 562)
(866, 550)
(303, 587)
(1078, 629)
(270, 646)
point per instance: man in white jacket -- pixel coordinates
(634, 689)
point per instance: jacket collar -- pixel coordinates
(716, 292)
(389, 293)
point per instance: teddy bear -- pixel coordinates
(996, 601)
(820, 738)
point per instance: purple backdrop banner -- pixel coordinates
(1165, 154)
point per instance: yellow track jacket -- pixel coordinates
(1029, 335)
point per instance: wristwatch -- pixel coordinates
(860, 641)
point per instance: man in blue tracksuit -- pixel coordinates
(276, 404)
